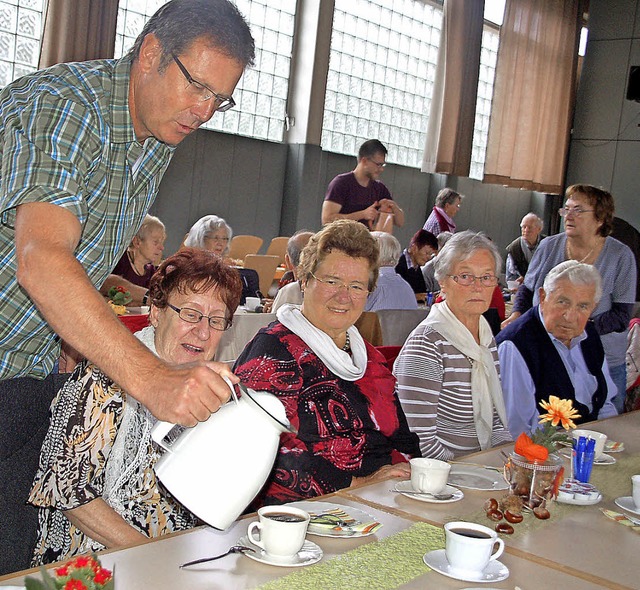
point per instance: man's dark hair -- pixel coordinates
(424, 238)
(370, 148)
(179, 23)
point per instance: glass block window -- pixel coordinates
(261, 95)
(20, 37)
(381, 72)
(488, 58)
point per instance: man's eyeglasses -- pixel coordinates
(378, 164)
(332, 286)
(193, 316)
(465, 279)
(203, 92)
(574, 211)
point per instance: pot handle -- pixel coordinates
(159, 431)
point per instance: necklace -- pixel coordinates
(347, 343)
(570, 255)
(133, 264)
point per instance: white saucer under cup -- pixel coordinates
(470, 547)
(282, 530)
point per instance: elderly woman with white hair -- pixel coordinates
(210, 233)
(392, 291)
(447, 370)
(553, 349)
(446, 208)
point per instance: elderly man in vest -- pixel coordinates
(554, 350)
(520, 251)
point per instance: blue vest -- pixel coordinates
(547, 370)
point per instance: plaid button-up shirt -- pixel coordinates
(67, 138)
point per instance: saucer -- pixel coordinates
(310, 553)
(626, 502)
(604, 459)
(494, 572)
(405, 488)
(477, 478)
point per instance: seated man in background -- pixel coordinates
(520, 251)
(291, 292)
(392, 291)
(553, 350)
(422, 248)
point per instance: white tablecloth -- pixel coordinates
(245, 326)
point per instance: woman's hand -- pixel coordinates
(399, 470)
(512, 318)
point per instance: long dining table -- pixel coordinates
(577, 548)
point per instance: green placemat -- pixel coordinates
(383, 565)
(613, 481)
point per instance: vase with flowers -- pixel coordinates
(534, 470)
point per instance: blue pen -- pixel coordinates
(580, 449)
(589, 456)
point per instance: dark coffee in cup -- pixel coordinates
(471, 533)
(284, 517)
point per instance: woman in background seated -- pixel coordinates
(210, 233)
(336, 387)
(95, 485)
(447, 370)
(145, 250)
(392, 291)
(422, 248)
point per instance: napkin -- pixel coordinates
(611, 446)
(621, 518)
(338, 520)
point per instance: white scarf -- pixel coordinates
(486, 392)
(338, 361)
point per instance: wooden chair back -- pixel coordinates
(265, 265)
(242, 245)
(397, 324)
(278, 247)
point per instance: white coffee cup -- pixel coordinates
(600, 439)
(251, 303)
(470, 547)
(635, 480)
(282, 530)
(429, 475)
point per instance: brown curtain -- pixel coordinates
(534, 95)
(78, 30)
(453, 105)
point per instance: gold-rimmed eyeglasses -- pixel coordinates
(332, 286)
(193, 316)
(465, 279)
(222, 103)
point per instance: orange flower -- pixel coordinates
(529, 450)
(559, 411)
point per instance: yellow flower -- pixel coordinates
(559, 411)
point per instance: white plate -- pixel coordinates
(579, 502)
(610, 448)
(604, 459)
(476, 478)
(405, 488)
(494, 572)
(323, 531)
(626, 502)
(310, 553)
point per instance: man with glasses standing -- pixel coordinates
(360, 195)
(83, 148)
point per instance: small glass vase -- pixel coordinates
(534, 481)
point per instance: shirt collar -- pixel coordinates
(122, 123)
(449, 219)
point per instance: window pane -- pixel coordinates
(382, 55)
(272, 24)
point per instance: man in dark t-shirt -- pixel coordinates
(359, 195)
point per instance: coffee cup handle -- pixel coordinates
(498, 553)
(256, 525)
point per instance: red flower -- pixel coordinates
(62, 571)
(121, 289)
(529, 450)
(82, 561)
(74, 585)
(102, 575)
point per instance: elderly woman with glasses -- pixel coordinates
(210, 233)
(588, 220)
(336, 388)
(95, 486)
(447, 370)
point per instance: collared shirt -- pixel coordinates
(432, 225)
(391, 292)
(519, 390)
(67, 138)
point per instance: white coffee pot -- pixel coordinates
(217, 467)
